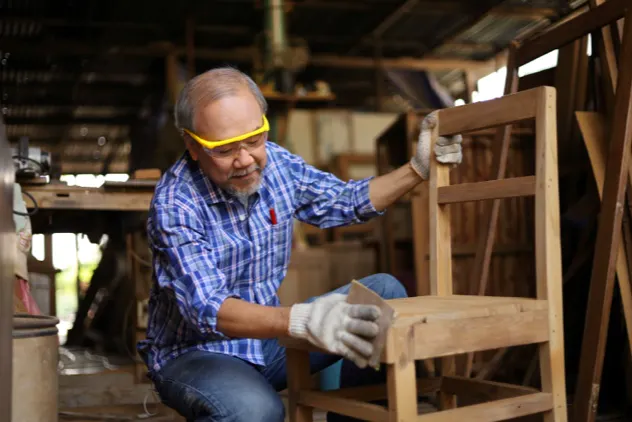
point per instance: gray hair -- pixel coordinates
(211, 86)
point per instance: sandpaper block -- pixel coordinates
(361, 295)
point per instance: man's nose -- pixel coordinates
(244, 159)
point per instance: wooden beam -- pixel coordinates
(593, 129)
(508, 109)
(488, 190)
(573, 29)
(434, 64)
(608, 238)
(499, 410)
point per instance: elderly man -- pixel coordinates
(220, 229)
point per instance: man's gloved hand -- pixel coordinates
(447, 150)
(336, 326)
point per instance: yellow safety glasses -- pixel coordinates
(214, 144)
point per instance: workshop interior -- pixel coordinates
(540, 207)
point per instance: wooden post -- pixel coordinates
(548, 254)
(440, 251)
(608, 241)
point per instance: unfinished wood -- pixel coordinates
(344, 406)
(298, 381)
(500, 152)
(448, 337)
(608, 240)
(402, 391)
(608, 60)
(505, 110)
(569, 31)
(419, 205)
(379, 391)
(484, 390)
(76, 198)
(490, 189)
(499, 410)
(593, 128)
(440, 250)
(548, 254)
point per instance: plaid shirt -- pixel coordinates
(206, 246)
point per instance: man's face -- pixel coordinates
(238, 173)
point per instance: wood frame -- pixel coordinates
(600, 15)
(78, 198)
(407, 337)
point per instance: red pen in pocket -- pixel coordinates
(273, 216)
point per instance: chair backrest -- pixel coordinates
(538, 104)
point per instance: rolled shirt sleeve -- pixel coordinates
(182, 261)
(323, 200)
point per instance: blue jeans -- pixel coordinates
(205, 387)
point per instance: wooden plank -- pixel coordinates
(379, 391)
(499, 410)
(87, 199)
(343, 406)
(505, 110)
(484, 390)
(440, 249)
(500, 151)
(298, 379)
(608, 60)
(607, 242)
(548, 255)
(573, 29)
(593, 128)
(445, 338)
(491, 189)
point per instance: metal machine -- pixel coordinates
(30, 163)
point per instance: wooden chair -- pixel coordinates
(443, 325)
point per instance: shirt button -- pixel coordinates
(242, 217)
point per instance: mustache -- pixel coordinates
(244, 172)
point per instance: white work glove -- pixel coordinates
(447, 150)
(332, 324)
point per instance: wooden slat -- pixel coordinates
(548, 254)
(342, 406)
(379, 391)
(298, 380)
(582, 25)
(486, 390)
(593, 128)
(608, 239)
(485, 114)
(445, 338)
(491, 189)
(499, 410)
(402, 389)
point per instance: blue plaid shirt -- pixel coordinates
(206, 246)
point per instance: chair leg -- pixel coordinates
(298, 378)
(553, 380)
(402, 392)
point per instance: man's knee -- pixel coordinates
(385, 285)
(258, 406)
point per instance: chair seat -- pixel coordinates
(434, 326)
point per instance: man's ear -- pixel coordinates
(192, 147)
